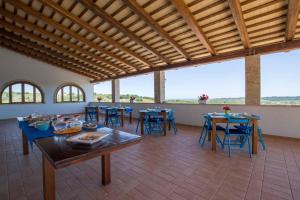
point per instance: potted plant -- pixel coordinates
(99, 99)
(226, 109)
(132, 99)
(202, 99)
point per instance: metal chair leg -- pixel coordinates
(249, 147)
(261, 139)
(205, 135)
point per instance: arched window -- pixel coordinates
(69, 93)
(21, 92)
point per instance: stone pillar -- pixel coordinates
(115, 90)
(252, 71)
(159, 86)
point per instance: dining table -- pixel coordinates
(58, 153)
(161, 112)
(221, 118)
(122, 111)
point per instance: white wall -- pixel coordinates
(276, 120)
(14, 66)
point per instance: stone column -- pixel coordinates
(252, 71)
(159, 86)
(115, 90)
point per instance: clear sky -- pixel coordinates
(280, 76)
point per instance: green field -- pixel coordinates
(289, 100)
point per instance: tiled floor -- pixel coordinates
(172, 167)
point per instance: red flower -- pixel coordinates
(226, 108)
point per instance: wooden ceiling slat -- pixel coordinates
(292, 18)
(39, 56)
(76, 19)
(63, 29)
(263, 6)
(50, 35)
(54, 54)
(237, 14)
(154, 25)
(100, 12)
(270, 48)
(282, 17)
(143, 36)
(192, 23)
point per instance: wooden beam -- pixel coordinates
(52, 36)
(45, 50)
(292, 18)
(236, 11)
(46, 57)
(38, 56)
(139, 10)
(97, 10)
(29, 10)
(91, 29)
(267, 49)
(193, 24)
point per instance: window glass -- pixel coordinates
(28, 93)
(66, 93)
(38, 96)
(59, 96)
(16, 93)
(75, 93)
(69, 93)
(21, 92)
(5, 95)
(81, 97)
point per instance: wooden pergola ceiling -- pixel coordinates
(109, 39)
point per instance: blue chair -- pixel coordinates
(171, 120)
(127, 111)
(241, 136)
(114, 118)
(207, 128)
(261, 139)
(154, 122)
(146, 125)
(91, 114)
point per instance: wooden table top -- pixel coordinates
(60, 153)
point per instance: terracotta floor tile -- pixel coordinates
(174, 167)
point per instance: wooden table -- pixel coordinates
(162, 113)
(222, 119)
(57, 153)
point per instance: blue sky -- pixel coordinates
(279, 77)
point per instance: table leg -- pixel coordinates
(105, 162)
(213, 136)
(106, 117)
(130, 117)
(169, 126)
(97, 115)
(48, 180)
(122, 117)
(25, 144)
(85, 116)
(142, 122)
(254, 136)
(209, 136)
(165, 123)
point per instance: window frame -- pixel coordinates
(9, 85)
(70, 85)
